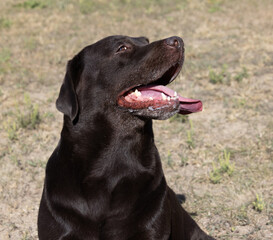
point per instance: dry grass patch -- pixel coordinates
(228, 65)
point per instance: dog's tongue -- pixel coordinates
(187, 105)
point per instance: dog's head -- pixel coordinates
(126, 74)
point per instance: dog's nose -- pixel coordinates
(175, 42)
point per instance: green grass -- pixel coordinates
(26, 117)
(32, 4)
(36, 163)
(242, 215)
(29, 117)
(183, 161)
(179, 118)
(145, 6)
(222, 76)
(214, 5)
(26, 236)
(239, 102)
(5, 56)
(169, 160)
(5, 23)
(241, 75)
(258, 204)
(31, 43)
(48, 4)
(11, 129)
(87, 7)
(222, 167)
(112, 7)
(190, 140)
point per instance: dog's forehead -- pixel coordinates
(140, 40)
(116, 40)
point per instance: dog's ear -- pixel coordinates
(67, 102)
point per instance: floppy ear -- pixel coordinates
(67, 102)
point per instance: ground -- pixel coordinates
(221, 159)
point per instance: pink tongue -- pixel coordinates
(187, 105)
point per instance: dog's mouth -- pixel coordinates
(157, 100)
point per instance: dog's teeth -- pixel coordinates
(174, 97)
(175, 94)
(169, 99)
(137, 93)
(163, 96)
(151, 98)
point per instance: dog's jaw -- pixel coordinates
(150, 98)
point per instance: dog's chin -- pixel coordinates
(152, 109)
(157, 115)
(157, 112)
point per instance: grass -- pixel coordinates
(27, 117)
(25, 236)
(32, 4)
(220, 76)
(37, 39)
(5, 23)
(50, 4)
(11, 129)
(87, 7)
(15, 160)
(5, 56)
(169, 159)
(190, 140)
(239, 102)
(214, 5)
(241, 75)
(258, 204)
(31, 43)
(224, 76)
(223, 167)
(242, 215)
(183, 161)
(179, 118)
(146, 6)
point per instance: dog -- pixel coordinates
(104, 180)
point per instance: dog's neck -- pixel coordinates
(98, 143)
(111, 154)
(101, 126)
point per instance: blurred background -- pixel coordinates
(221, 158)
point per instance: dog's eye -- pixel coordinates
(122, 48)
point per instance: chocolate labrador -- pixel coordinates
(105, 180)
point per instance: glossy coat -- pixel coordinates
(104, 180)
